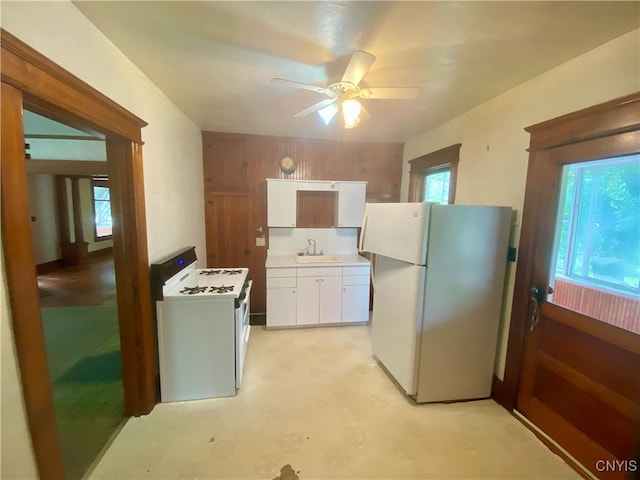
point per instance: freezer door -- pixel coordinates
(397, 230)
(397, 318)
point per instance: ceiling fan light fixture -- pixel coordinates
(327, 113)
(344, 94)
(351, 112)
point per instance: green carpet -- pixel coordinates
(83, 351)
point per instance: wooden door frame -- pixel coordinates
(610, 119)
(30, 79)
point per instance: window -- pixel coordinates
(433, 176)
(436, 186)
(101, 208)
(598, 240)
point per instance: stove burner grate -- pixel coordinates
(221, 289)
(232, 272)
(193, 290)
(210, 272)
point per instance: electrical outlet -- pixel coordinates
(260, 242)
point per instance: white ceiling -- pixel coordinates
(215, 60)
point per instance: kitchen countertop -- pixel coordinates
(284, 261)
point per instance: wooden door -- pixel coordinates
(228, 231)
(580, 380)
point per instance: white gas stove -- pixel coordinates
(203, 327)
(207, 283)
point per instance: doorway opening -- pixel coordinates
(32, 81)
(73, 251)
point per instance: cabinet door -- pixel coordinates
(281, 204)
(351, 200)
(330, 300)
(308, 302)
(281, 307)
(355, 303)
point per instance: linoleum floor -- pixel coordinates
(314, 404)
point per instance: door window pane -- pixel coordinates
(436, 187)
(102, 205)
(597, 250)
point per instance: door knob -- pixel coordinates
(536, 297)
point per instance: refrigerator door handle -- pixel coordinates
(372, 273)
(363, 229)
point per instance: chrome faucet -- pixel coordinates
(311, 243)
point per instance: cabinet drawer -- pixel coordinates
(281, 272)
(359, 270)
(281, 282)
(355, 280)
(319, 271)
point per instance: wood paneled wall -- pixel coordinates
(623, 312)
(236, 167)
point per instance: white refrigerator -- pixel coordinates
(438, 287)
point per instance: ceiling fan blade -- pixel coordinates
(364, 114)
(303, 86)
(359, 65)
(406, 93)
(316, 107)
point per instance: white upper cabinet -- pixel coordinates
(351, 201)
(281, 203)
(282, 200)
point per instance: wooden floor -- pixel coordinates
(93, 283)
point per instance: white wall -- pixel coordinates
(42, 206)
(334, 241)
(42, 203)
(16, 460)
(172, 166)
(493, 157)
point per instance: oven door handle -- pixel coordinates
(244, 294)
(247, 290)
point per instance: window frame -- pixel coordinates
(435, 162)
(99, 181)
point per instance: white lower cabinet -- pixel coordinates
(355, 293)
(319, 300)
(281, 307)
(281, 297)
(317, 295)
(355, 302)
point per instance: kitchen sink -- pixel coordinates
(317, 259)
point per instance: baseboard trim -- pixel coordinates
(49, 267)
(55, 265)
(499, 394)
(555, 447)
(101, 252)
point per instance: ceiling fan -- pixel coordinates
(345, 93)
